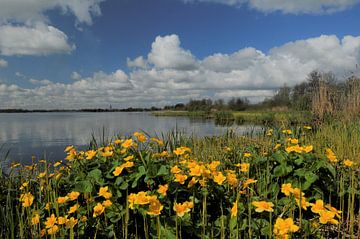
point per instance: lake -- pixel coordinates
(47, 134)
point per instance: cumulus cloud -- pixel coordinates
(26, 30)
(33, 10)
(38, 40)
(3, 63)
(40, 82)
(75, 76)
(289, 6)
(167, 53)
(247, 72)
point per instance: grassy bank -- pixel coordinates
(245, 117)
(284, 183)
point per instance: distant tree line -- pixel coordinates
(321, 93)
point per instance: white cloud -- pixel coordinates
(247, 72)
(137, 62)
(75, 76)
(167, 53)
(33, 10)
(38, 40)
(289, 6)
(3, 63)
(40, 82)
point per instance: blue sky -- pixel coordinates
(56, 54)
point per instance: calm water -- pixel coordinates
(48, 134)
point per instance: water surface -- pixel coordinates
(47, 134)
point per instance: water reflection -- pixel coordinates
(48, 134)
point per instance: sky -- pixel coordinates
(72, 54)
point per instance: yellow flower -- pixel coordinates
(286, 188)
(219, 178)
(327, 217)
(181, 150)
(50, 221)
(98, 210)
(180, 178)
(118, 170)
(192, 182)
(247, 155)
(175, 170)
(287, 131)
(196, 170)
(263, 206)
(24, 185)
(140, 136)
(128, 158)
(73, 195)
(234, 209)
(283, 227)
(35, 219)
(61, 220)
(277, 146)
(107, 203)
(330, 155)
(107, 153)
(307, 127)
(318, 206)
(293, 141)
(308, 148)
(182, 208)
(232, 180)
(248, 182)
(118, 141)
(83, 218)
(104, 192)
(62, 200)
(47, 206)
(53, 230)
(15, 165)
(163, 189)
(155, 208)
(158, 141)
(69, 148)
(90, 154)
(244, 167)
(70, 223)
(127, 143)
(73, 209)
(332, 209)
(348, 163)
(27, 199)
(41, 175)
(213, 165)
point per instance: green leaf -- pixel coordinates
(95, 175)
(124, 185)
(163, 171)
(282, 170)
(83, 187)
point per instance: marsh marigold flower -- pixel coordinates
(234, 209)
(35, 219)
(140, 136)
(318, 206)
(62, 200)
(219, 178)
(283, 227)
(263, 206)
(181, 150)
(348, 163)
(328, 217)
(70, 223)
(53, 230)
(50, 221)
(90, 154)
(73, 209)
(27, 199)
(163, 189)
(61, 220)
(98, 210)
(180, 178)
(127, 143)
(155, 208)
(73, 195)
(107, 203)
(286, 188)
(182, 208)
(104, 192)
